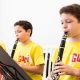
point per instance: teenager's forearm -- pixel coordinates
(34, 69)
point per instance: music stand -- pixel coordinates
(11, 68)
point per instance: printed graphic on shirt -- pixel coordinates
(25, 59)
(76, 57)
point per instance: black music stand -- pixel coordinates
(10, 68)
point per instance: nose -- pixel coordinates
(64, 25)
(16, 35)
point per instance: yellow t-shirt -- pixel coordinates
(31, 54)
(71, 56)
(2, 45)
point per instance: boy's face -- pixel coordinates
(70, 24)
(22, 34)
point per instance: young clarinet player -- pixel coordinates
(69, 67)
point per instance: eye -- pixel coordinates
(69, 21)
(19, 31)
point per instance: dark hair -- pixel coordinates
(25, 25)
(73, 9)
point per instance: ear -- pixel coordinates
(29, 31)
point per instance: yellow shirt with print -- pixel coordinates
(30, 54)
(71, 56)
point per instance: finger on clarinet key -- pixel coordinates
(58, 64)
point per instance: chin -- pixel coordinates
(70, 36)
(20, 40)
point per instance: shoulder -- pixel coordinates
(36, 45)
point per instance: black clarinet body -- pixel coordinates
(61, 48)
(59, 57)
(14, 48)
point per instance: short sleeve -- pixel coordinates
(38, 55)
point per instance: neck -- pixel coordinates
(26, 42)
(74, 39)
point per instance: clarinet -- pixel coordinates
(59, 57)
(14, 48)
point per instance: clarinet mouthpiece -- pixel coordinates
(65, 32)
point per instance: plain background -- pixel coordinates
(43, 14)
